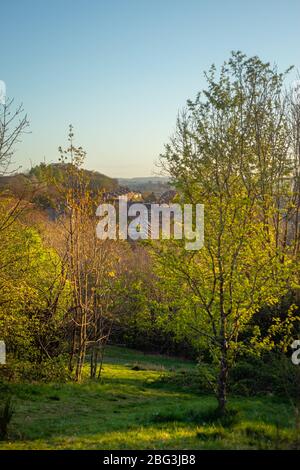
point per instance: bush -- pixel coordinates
(50, 370)
(267, 375)
(273, 374)
(6, 413)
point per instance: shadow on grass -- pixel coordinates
(133, 409)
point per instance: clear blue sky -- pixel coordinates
(120, 70)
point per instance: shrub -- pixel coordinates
(271, 374)
(6, 413)
(50, 370)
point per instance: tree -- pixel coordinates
(230, 152)
(293, 219)
(89, 262)
(34, 296)
(13, 123)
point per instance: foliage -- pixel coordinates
(64, 294)
(6, 413)
(53, 369)
(266, 375)
(231, 153)
(34, 295)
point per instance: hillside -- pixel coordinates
(60, 170)
(38, 184)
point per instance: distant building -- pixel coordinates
(122, 193)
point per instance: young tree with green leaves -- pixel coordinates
(230, 152)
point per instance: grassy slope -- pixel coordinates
(130, 409)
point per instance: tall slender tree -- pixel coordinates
(231, 153)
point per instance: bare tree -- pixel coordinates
(89, 263)
(13, 123)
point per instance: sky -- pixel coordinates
(120, 70)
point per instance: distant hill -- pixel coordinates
(147, 184)
(37, 183)
(16, 183)
(59, 170)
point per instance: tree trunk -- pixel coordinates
(101, 360)
(94, 361)
(222, 383)
(73, 350)
(223, 374)
(82, 347)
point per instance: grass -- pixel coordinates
(131, 408)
